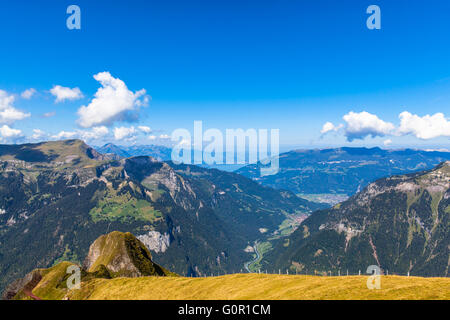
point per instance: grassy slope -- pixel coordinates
(47, 289)
(262, 286)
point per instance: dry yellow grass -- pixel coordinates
(262, 286)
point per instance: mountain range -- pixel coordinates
(320, 175)
(160, 153)
(400, 224)
(332, 175)
(56, 198)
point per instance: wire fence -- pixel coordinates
(329, 273)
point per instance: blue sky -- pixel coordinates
(292, 65)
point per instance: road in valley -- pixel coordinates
(247, 264)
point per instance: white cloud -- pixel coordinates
(8, 113)
(363, 124)
(124, 133)
(64, 93)
(112, 102)
(27, 94)
(65, 135)
(438, 150)
(95, 133)
(9, 134)
(5, 100)
(145, 100)
(164, 136)
(152, 137)
(145, 129)
(426, 127)
(38, 134)
(328, 127)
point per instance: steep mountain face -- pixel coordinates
(334, 174)
(399, 223)
(113, 255)
(55, 205)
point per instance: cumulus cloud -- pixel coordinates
(64, 93)
(121, 133)
(360, 125)
(164, 136)
(95, 133)
(329, 127)
(145, 129)
(27, 94)
(144, 101)
(65, 135)
(8, 113)
(363, 124)
(112, 102)
(86, 135)
(426, 127)
(8, 134)
(38, 134)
